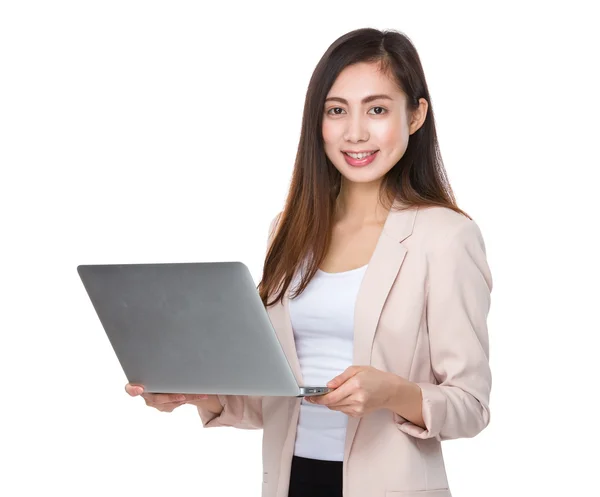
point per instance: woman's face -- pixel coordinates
(354, 121)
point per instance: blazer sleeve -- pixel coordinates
(458, 303)
(239, 411)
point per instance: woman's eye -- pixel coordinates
(380, 113)
(340, 109)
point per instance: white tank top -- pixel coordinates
(323, 322)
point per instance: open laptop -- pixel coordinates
(191, 328)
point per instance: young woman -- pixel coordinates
(377, 284)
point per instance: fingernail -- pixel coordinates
(180, 397)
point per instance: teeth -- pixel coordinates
(359, 156)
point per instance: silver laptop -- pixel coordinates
(191, 328)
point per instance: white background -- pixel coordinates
(151, 131)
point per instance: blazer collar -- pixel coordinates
(379, 277)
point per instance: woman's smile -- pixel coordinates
(362, 161)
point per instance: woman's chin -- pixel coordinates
(361, 175)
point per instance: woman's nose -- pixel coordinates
(357, 130)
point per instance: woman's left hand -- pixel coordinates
(360, 390)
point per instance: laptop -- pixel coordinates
(191, 328)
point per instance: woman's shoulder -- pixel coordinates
(436, 225)
(436, 216)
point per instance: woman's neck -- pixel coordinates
(358, 204)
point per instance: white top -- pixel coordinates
(323, 322)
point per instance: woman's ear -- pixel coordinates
(418, 116)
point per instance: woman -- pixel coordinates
(377, 284)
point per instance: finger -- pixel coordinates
(335, 397)
(342, 407)
(134, 389)
(163, 398)
(191, 397)
(345, 376)
(349, 411)
(349, 406)
(168, 407)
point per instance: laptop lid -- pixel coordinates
(190, 328)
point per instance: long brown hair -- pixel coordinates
(303, 230)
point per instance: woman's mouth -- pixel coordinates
(356, 162)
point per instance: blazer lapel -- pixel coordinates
(379, 277)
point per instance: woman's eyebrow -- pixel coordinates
(365, 100)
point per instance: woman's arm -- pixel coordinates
(406, 400)
(210, 406)
(458, 302)
(237, 411)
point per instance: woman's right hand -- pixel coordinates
(164, 402)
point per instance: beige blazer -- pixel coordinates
(421, 312)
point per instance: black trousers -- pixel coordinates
(315, 478)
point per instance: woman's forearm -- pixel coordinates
(211, 404)
(406, 400)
